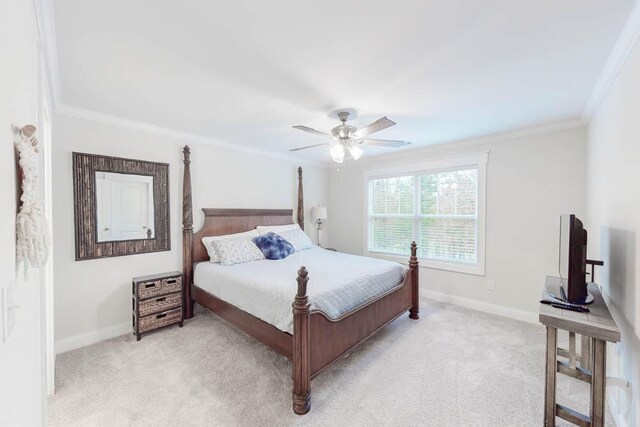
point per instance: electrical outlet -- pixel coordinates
(491, 285)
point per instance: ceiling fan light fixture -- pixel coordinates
(337, 153)
(356, 152)
(347, 139)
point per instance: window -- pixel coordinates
(439, 205)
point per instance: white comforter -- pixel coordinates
(337, 284)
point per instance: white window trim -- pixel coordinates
(478, 160)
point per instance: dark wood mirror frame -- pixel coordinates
(85, 167)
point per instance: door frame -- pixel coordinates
(44, 117)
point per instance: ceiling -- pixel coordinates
(244, 72)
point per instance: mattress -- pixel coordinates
(338, 283)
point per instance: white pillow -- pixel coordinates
(298, 239)
(264, 229)
(236, 251)
(213, 255)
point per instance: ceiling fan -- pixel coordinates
(350, 138)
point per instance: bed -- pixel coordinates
(336, 300)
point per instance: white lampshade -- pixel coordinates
(337, 153)
(318, 212)
(355, 152)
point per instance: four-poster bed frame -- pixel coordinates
(317, 341)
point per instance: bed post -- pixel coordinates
(187, 235)
(301, 351)
(413, 270)
(300, 200)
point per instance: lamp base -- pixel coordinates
(318, 228)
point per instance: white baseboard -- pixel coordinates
(613, 409)
(78, 341)
(499, 310)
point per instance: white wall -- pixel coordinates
(613, 203)
(22, 387)
(531, 180)
(92, 298)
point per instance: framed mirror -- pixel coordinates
(124, 206)
(121, 206)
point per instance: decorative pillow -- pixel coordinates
(273, 246)
(206, 241)
(237, 250)
(264, 229)
(297, 238)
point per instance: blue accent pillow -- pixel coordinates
(273, 246)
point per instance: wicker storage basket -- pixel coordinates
(159, 287)
(159, 320)
(156, 305)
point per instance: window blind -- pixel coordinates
(392, 212)
(437, 209)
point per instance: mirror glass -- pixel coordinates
(124, 207)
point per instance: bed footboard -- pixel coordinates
(318, 341)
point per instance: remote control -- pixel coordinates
(566, 306)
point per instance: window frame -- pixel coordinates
(443, 164)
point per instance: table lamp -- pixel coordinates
(318, 213)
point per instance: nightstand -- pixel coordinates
(156, 302)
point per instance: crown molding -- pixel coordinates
(478, 141)
(188, 137)
(82, 113)
(619, 55)
(47, 40)
(410, 153)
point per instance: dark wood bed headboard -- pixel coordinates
(221, 221)
(227, 221)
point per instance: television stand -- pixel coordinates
(596, 329)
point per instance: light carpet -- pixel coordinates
(453, 367)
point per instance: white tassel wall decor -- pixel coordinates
(31, 226)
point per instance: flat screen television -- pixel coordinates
(572, 263)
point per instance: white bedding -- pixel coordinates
(338, 283)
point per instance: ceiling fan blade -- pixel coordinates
(310, 146)
(384, 142)
(376, 126)
(310, 130)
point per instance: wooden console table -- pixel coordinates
(596, 328)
